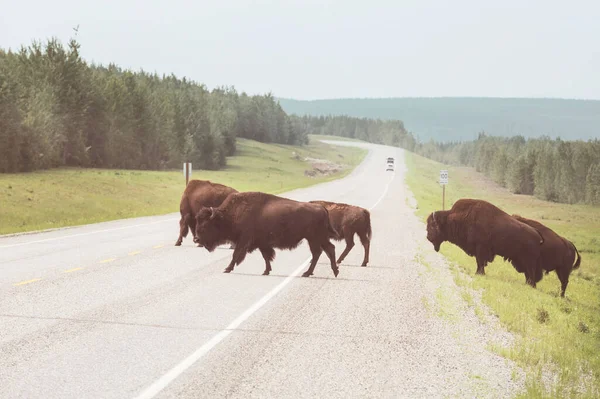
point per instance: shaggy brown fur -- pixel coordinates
(348, 220)
(484, 231)
(255, 220)
(558, 253)
(197, 194)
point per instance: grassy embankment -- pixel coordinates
(558, 340)
(74, 196)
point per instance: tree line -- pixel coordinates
(58, 110)
(550, 169)
(553, 170)
(387, 132)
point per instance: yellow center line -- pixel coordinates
(158, 246)
(135, 253)
(27, 282)
(72, 270)
(108, 260)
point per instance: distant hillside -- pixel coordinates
(451, 119)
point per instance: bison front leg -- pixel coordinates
(349, 238)
(268, 254)
(481, 263)
(239, 254)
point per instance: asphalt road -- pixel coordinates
(115, 310)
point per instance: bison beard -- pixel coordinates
(484, 231)
(558, 253)
(349, 220)
(254, 220)
(198, 193)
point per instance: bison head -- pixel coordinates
(435, 234)
(210, 228)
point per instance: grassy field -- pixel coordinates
(558, 339)
(74, 196)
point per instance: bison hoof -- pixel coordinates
(339, 261)
(364, 265)
(227, 270)
(306, 274)
(266, 273)
(336, 272)
(178, 243)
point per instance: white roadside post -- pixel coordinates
(443, 182)
(187, 171)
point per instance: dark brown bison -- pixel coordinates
(558, 253)
(255, 220)
(483, 230)
(197, 194)
(348, 220)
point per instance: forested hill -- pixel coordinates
(452, 119)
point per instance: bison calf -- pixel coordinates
(484, 231)
(558, 253)
(348, 220)
(255, 220)
(197, 194)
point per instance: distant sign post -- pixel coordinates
(443, 182)
(187, 171)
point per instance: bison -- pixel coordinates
(255, 220)
(197, 194)
(558, 253)
(484, 231)
(349, 220)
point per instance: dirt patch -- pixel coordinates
(321, 167)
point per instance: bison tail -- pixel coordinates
(541, 236)
(578, 262)
(369, 230)
(330, 228)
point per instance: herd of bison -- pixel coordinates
(217, 214)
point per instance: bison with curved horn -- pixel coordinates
(255, 220)
(199, 193)
(558, 253)
(483, 230)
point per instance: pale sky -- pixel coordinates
(308, 49)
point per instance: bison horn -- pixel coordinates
(434, 221)
(212, 212)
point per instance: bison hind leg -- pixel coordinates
(183, 228)
(329, 249)
(563, 276)
(268, 254)
(366, 242)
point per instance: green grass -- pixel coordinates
(75, 196)
(555, 336)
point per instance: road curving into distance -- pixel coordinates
(115, 310)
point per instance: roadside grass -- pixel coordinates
(74, 196)
(558, 339)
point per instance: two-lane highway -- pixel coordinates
(115, 310)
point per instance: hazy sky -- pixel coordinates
(309, 49)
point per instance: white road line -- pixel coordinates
(180, 368)
(85, 234)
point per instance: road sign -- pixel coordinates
(187, 171)
(443, 177)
